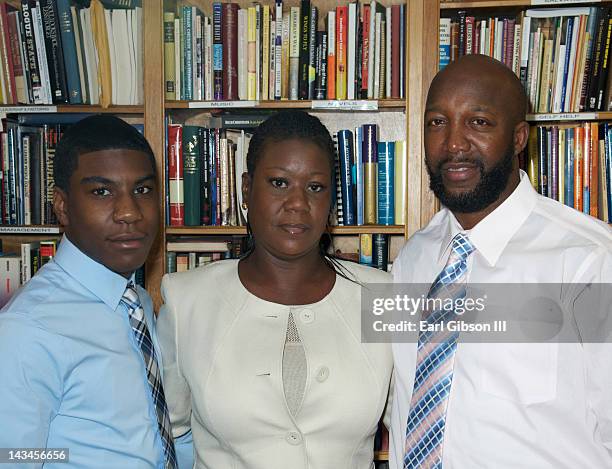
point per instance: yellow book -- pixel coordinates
(251, 54)
(533, 167)
(105, 79)
(561, 172)
(370, 193)
(401, 178)
(169, 55)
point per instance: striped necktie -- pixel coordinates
(434, 366)
(141, 332)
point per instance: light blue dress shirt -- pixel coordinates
(71, 373)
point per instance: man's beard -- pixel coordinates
(492, 183)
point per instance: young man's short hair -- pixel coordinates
(95, 133)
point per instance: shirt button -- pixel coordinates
(294, 438)
(322, 374)
(307, 316)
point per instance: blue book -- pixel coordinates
(187, 56)
(386, 183)
(359, 175)
(569, 168)
(566, 60)
(71, 63)
(347, 156)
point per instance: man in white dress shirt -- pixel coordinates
(508, 405)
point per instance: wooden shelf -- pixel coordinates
(69, 108)
(30, 229)
(303, 104)
(569, 116)
(241, 230)
(487, 3)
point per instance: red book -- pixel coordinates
(395, 51)
(365, 51)
(175, 175)
(341, 47)
(229, 33)
(594, 173)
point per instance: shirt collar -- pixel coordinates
(492, 234)
(105, 284)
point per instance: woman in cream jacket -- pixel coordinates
(263, 359)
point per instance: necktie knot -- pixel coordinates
(462, 247)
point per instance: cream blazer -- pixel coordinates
(222, 356)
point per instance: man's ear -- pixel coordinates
(246, 187)
(521, 135)
(60, 206)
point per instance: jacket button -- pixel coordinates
(294, 438)
(322, 374)
(307, 316)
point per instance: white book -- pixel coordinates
(484, 32)
(272, 71)
(208, 69)
(516, 63)
(525, 35)
(113, 57)
(197, 63)
(376, 68)
(178, 86)
(122, 66)
(26, 148)
(242, 54)
(285, 55)
(572, 65)
(350, 51)
(242, 145)
(139, 53)
(372, 71)
(278, 50)
(91, 57)
(388, 63)
(499, 40)
(555, 12)
(10, 276)
(41, 52)
(559, 80)
(78, 34)
(132, 52)
(294, 52)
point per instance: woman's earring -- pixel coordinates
(245, 206)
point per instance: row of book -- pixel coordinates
(26, 176)
(189, 253)
(204, 176)
(61, 51)
(17, 268)
(371, 178)
(573, 164)
(560, 54)
(277, 52)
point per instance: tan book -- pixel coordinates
(105, 80)
(169, 55)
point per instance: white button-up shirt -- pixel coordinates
(517, 405)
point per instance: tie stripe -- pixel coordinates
(434, 369)
(143, 338)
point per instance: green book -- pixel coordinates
(191, 174)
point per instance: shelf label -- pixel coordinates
(26, 109)
(29, 230)
(561, 2)
(221, 104)
(568, 116)
(349, 105)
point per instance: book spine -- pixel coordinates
(444, 54)
(370, 171)
(402, 62)
(386, 182)
(187, 43)
(169, 54)
(331, 55)
(351, 47)
(285, 69)
(34, 82)
(380, 251)
(365, 50)
(230, 51)
(294, 53)
(251, 53)
(224, 181)
(554, 161)
(278, 51)
(55, 56)
(401, 171)
(68, 43)
(346, 154)
(191, 175)
(218, 51)
(265, 52)
(7, 58)
(175, 175)
(18, 55)
(312, 47)
(594, 170)
(341, 51)
(605, 65)
(205, 176)
(339, 207)
(395, 51)
(26, 150)
(304, 49)
(359, 174)
(365, 249)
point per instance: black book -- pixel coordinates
(205, 176)
(321, 66)
(380, 251)
(304, 50)
(312, 50)
(31, 59)
(55, 56)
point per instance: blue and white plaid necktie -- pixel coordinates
(143, 338)
(434, 366)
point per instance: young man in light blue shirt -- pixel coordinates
(78, 368)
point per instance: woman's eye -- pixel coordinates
(278, 183)
(101, 191)
(143, 190)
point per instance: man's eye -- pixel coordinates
(436, 122)
(101, 191)
(278, 182)
(143, 190)
(480, 122)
